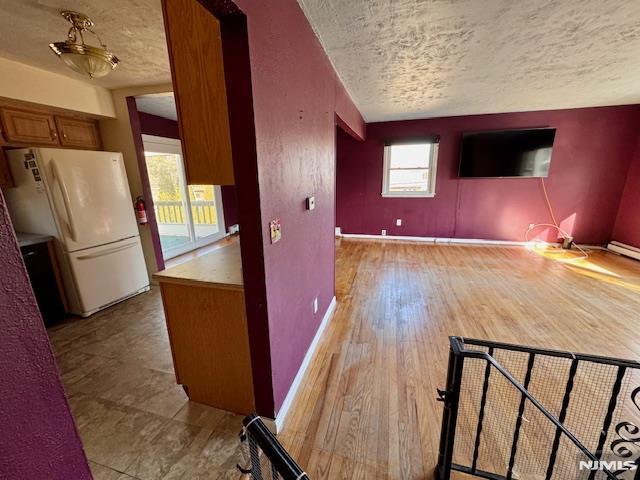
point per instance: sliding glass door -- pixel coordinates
(188, 216)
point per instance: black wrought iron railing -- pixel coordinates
(516, 412)
(268, 460)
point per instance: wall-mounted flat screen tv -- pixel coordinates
(507, 153)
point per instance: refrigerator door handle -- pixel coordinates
(55, 174)
(108, 252)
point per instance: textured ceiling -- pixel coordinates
(132, 29)
(161, 104)
(403, 59)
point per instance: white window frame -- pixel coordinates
(433, 164)
(152, 143)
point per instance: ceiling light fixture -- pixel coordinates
(77, 55)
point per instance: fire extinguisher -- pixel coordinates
(141, 211)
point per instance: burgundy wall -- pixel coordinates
(167, 128)
(158, 126)
(296, 96)
(38, 440)
(591, 155)
(627, 227)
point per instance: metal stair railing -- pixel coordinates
(268, 458)
(499, 430)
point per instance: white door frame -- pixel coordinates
(157, 144)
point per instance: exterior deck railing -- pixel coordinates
(172, 212)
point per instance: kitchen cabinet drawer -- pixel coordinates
(78, 133)
(28, 128)
(6, 180)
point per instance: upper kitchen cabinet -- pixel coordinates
(195, 52)
(78, 133)
(27, 128)
(32, 125)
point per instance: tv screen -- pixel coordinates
(507, 153)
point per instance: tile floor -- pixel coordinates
(135, 422)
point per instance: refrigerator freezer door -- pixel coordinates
(106, 274)
(28, 202)
(90, 196)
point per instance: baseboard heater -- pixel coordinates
(624, 249)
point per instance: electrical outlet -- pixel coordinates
(531, 225)
(398, 222)
(383, 233)
(315, 305)
(233, 229)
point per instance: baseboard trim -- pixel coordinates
(624, 249)
(439, 240)
(281, 416)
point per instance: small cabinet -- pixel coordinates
(6, 180)
(28, 128)
(197, 71)
(37, 258)
(78, 133)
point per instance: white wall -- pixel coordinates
(24, 82)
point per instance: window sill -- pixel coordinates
(408, 195)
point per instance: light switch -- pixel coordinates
(311, 203)
(276, 230)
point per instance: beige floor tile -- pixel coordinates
(101, 472)
(174, 451)
(202, 415)
(113, 435)
(75, 365)
(220, 455)
(130, 385)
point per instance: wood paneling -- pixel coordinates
(78, 133)
(6, 180)
(195, 53)
(210, 345)
(24, 127)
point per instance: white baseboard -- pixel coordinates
(624, 249)
(440, 240)
(281, 416)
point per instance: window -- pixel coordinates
(188, 216)
(410, 169)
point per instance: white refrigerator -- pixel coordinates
(82, 199)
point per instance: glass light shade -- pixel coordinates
(85, 65)
(85, 59)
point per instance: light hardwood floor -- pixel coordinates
(366, 408)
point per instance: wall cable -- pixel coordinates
(563, 234)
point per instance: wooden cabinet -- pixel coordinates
(28, 128)
(40, 126)
(78, 133)
(197, 72)
(206, 319)
(6, 180)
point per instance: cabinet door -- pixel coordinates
(28, 128)
(197, 72)
(78, 133)
(6, 180)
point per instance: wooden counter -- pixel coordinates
(204, 307)
(221, 268)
